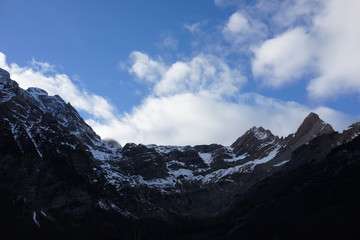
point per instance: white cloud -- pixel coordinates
(283, 59)
(293, 13)
(338, 50)
(144, 68)
(188, 118)
(203, 73)
(42, 66)
(237, 23)
(192, 115)
(188, 106)
(241, 28)
(321, 38)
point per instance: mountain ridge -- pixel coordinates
(56, 167)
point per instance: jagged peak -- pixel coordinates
(313, 123)
(5, 81)
(354, 125)
(37, 91)
(255, 133)
(4, 75)
(259, 132)
(351, 132)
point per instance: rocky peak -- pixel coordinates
(314, 126)
(4, 75)
(37, 91)
(261, 133)
(30, 112)
(350, 133)
(256, 134)
(6, 83)
(253, 139)
(311, 127)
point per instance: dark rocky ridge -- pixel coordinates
(58, 175)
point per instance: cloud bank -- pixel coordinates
(196, 113)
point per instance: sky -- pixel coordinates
(186, 72)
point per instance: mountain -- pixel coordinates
(58, 179)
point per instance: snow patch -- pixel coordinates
(43, 213)
(234, 158)
(206, 157)
(103, 205)
(238, 158)
(99, 155)
(270, 156)
(219, 174)
(243, 168)
(102, 151)
(182, 172)
(173, 162)
(165, 149)
(260, 134)
(280, 164)
(34, 219)
(354, 136)
(33, 141)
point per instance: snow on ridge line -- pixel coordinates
(115, 178)
(165, 149)
(188, 175)
(181, 174)
(34, 91)
(260, 134)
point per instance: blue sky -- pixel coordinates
(189, 72)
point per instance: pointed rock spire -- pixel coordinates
(313, 126)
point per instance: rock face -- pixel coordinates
(59, 179)
(45, 158)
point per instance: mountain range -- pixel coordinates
(59, 179)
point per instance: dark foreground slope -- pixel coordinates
(319, 200)
(59, 180)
